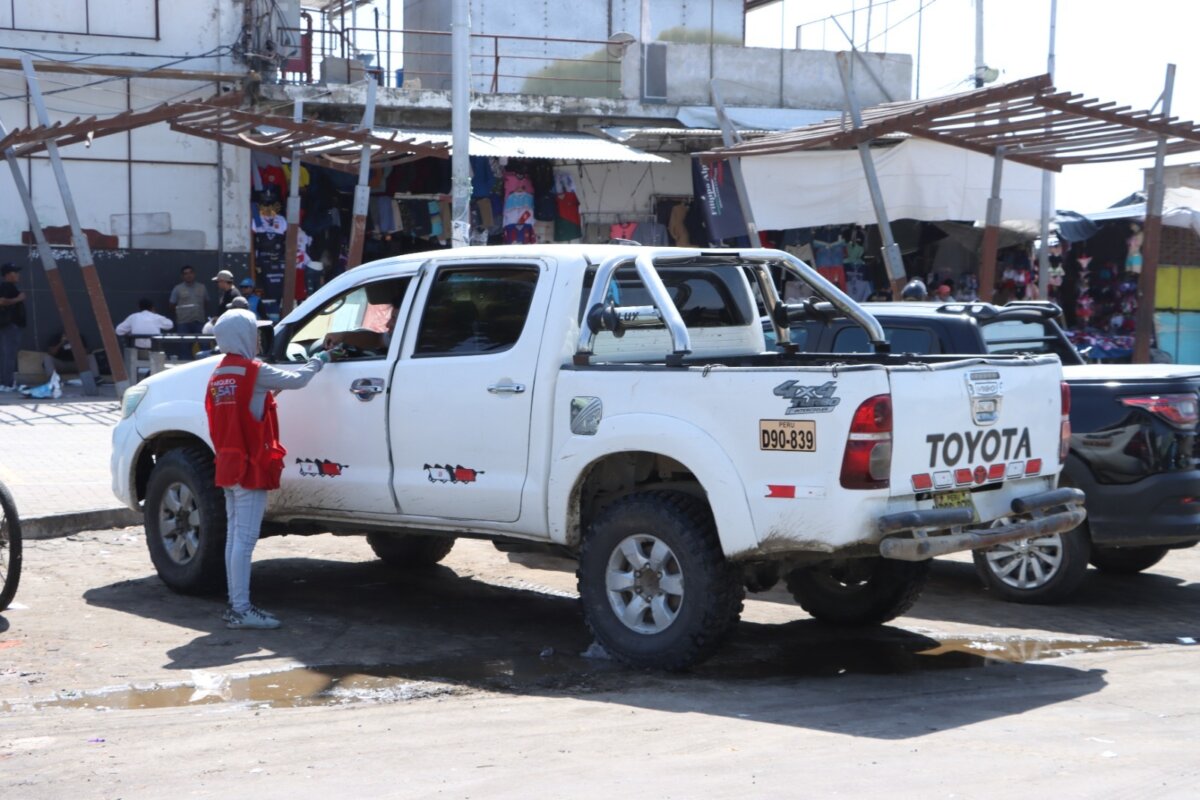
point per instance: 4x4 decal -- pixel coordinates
(809, 399)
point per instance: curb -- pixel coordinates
(55, 526)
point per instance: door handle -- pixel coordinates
(366, 388)
(507, 388)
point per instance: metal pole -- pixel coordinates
(53, 276)
(87, 267)
(362, 192)
(1047, 184)
(730, 135)
(991, 233)
(1152, 240)
(460, 123)
(979, 44)
(291, 238)
(920, 29)
(891, 251)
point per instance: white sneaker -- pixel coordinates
(255, 618)
(4, 388)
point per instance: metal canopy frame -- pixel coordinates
(338, 145)
(1027, 121)
(1033, 122)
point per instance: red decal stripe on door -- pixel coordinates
(784, 492)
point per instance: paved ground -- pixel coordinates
(467, 681)
(54, 453)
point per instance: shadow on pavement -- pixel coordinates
(1149, 608)
(368, 622)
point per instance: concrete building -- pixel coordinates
(633, 73)
(151, 200)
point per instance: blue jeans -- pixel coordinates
(10, 343)
(244, 510)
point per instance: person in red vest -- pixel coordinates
(249, 458)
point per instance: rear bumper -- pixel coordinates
(1045, 513)
(1151, 511)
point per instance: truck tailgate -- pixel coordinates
(976, 432)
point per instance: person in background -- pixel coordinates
(914, 291)
(225, 291)
(60, 358)
(244, 429)
(253, 301)
(143, 324)
(12, 320)
(189, 303)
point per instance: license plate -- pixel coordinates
(953, 500)
(787, 435)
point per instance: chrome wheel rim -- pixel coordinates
(179, 523)
(644, 582)
(1028, 563)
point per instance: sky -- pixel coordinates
(1103, 48)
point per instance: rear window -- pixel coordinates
(1007, 336)
(853, 339)
(706, 297)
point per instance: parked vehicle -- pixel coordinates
(1133, 439)
(619, 404)
(10, 548)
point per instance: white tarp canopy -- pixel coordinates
(535, 144)
(920, 180)
(1181, 209)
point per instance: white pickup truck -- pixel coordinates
(619, 404)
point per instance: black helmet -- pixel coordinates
(914, 290)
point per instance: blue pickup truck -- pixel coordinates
(1133, 444)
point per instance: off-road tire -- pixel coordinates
(1126, 560)
(410, 550)
(204, 572)
(857, 592)
(1075, 548)
(10, 548)
(712, 595)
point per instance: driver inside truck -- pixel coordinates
(363, 339)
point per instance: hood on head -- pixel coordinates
(237, 333)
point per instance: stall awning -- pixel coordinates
(1181, 209)
(921, 180)
(332, 144)
(533, 144)
(1029, 120)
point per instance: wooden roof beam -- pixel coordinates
(1155, 124)
(1009, 155)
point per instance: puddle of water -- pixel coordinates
(330, 685)
(339, 685)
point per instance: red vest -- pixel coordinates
(248, 450)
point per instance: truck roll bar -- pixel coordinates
(602, 314)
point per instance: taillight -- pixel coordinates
(867, 462)
(1064, 431)
(1181, 410)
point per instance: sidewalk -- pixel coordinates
(54, 459)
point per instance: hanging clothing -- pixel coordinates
(623, 230)
(567, 222)
(518, 208)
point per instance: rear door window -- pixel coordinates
(475, 310)
(708, 297)
(853, 339)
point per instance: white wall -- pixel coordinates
(146, 171)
